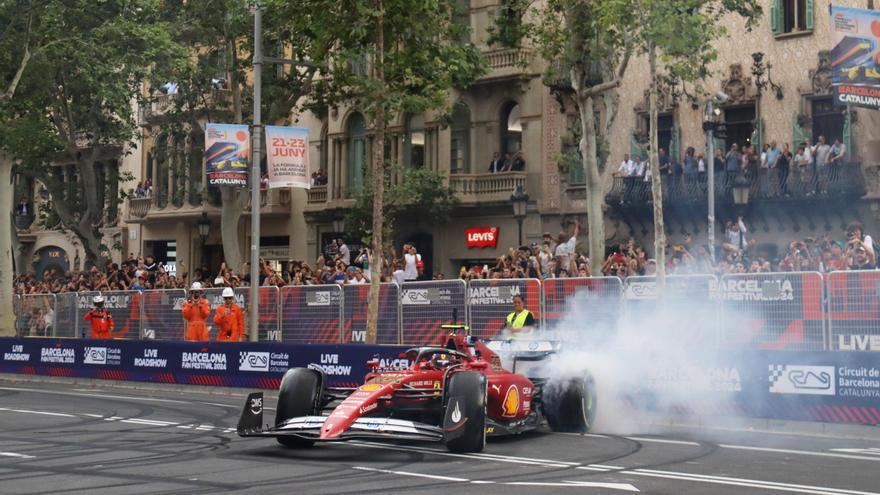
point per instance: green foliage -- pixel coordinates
(419, 193)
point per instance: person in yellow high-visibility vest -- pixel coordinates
(520, 317)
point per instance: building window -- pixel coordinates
(791, 16)
(740, 125)
(827, 120)
(459, 151)
(356, 129)
(414, 142)
(665, 133)
(511, 129)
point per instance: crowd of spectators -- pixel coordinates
(557, 256)
(515, 162)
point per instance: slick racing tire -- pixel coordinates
(464, 421)
(297, 396)
(570, 404)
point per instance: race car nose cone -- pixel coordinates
(331, 430)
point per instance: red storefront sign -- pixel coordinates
(482, 237)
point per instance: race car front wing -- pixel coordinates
(309, 427)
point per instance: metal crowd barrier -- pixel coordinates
(789, 310)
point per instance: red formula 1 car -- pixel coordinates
(457, 394)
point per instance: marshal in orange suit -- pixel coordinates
(229, 319)
(195, 311)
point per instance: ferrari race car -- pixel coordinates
(457, 394)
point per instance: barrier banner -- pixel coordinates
(773, 310)
(310, 314)
(425, 306)
(597, 299)
(287, 154)
(355, 313)
(854, 310)
(855, 58)
(162, 316)
(227, 154)
(491, 301)
(254, 365)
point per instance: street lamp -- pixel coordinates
(338, 220)
(710, 125)
(520, 201)
(204, 225)
(740, 191)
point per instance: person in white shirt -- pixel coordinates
(736, 236)
(626, 167)
(565, 248)
(398, 274)
(344, 253)
(410, 258)
(358, 278)
(641, 167)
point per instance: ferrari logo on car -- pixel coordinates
(510, 406)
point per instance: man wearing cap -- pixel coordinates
(229, 319)
(195, 311)
(101, 320)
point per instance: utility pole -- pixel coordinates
(256, 148)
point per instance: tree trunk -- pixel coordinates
(378, 182)
(7, 275)
(656, 180)
(87, 227)
(593, 182)
(232, 200)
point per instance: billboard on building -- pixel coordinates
(287, 152)
(855, 58)
(227, 154)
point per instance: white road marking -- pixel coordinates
(767, 485)
(530, 462)
(16, 454)
(626, 487)
(869, 451)
(407, 473)
(801, 452)
(105, 396)
(43, 413)
(574, 484)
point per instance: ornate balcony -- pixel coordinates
(508, 63)
(844, 182)
(317, 195)
(163, 104)
(274, 202)
(473, 189)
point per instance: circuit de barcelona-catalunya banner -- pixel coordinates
(855, 58)
(828, 386)
(227, 154)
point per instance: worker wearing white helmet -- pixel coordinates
(101, 319)
(229, 319)
(195, 311)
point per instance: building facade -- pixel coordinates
(511, 110)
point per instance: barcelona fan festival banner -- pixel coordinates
(855, 58)
(287, 152)
(227, 154)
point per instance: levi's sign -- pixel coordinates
(482, 237)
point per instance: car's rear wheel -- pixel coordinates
(464, 421)
(570, 404)
(297, 396)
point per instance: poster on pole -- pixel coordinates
(287, 150)
(855, 58)
(227, 154)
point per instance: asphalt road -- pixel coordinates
(59, 438)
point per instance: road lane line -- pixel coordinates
(663, 440)
(801, 452)
(766, 484)
(16, 454)
(626, 487)
(407, 473)
(451, 454)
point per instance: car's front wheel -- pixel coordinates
(464, 422)
(297, 396)
(570, 404)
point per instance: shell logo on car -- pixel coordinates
(510, 406)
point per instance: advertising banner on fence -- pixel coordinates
(855, 58)
(257, 365)
(227, 154)
(287, 153)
